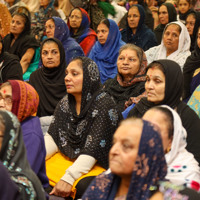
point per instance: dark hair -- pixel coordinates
(169, 119)
(106, 22)
(157, 65)
(191, 14)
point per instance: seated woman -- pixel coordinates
(164, 86)
(13, 157)
(82, 129)
(136, 161)
(191, 68)
(20, 42)
(57, 28)
(106, 49)
(79, 26)
(175, 45)
(166, 14)
(136, 32)
(131, 77)
(183, 169)
(48, 80)
(22, 100)
(10, 65)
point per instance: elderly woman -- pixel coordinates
(183, 169)
(82, 128)
(79, 25)
(131, 77)
(57, 28)
(106, 49)
(164, 86)
(136, 161)
(136, 32)
(166, 14)
(175, 45)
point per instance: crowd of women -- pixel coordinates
(71, 72)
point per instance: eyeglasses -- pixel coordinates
(7, 100)
(75, 17)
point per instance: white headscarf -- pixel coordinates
(182, 166)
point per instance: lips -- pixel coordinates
(50, 62)
(69, 86)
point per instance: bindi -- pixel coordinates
(4, 91)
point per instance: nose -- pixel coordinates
(67, 78)
(2, 103)
(125, 61)
(114, 149)
(149, 85)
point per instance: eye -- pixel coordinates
(54, 52)
(44, 53)
(121, 58)
(132, 59)
(75, 73)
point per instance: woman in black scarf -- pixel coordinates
(13, 156)
(166, 14)
(164, 86)
(48, 81)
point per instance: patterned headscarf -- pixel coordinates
(25, 99)
(150, 167)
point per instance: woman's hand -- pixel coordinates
(62, 189)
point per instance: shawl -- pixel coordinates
(172, 16)
(49, 83)
(106, 56)
(183, 169)
(122, 91)
(180, 55)
(91, 131)
(13, 156)
(150, 167)
(71, 47)
(184, 16)
(25, 99)
(84, 33)
(143, 37)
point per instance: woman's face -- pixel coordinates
(128, 63)
(183, 6)
(159, 119)
(163, 15)
(44, 3)
(74, 78)
(50, 55)
(123, 154)
(155, 85)
(133, 17)
(75, 19)
(102, 33)
(190, 22)
(171, 37)
(6, 98)
(17, 25)
(198, 38)
(50, 28)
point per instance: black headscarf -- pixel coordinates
(13, 156)
(184, 16)
(173, 88)
(91, 131)
(172, 17)
(49, 82)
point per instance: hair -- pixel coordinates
(133, 121)
(135, 48)
(2, 125)
(169, 119)
(179, 28)
(48, 42)
(186, 0)
(156, 65)
(106, 22)
(79, 60)
(191, 14)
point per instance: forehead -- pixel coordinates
(128, 52)
(75, 65)
(50, 21)
(163, 8)
(183, 1)
(19, 18)
(173, 27)
(155, 72)
(6, 89)
(133, 10)
(102, 26)
(76, 12)
(190, 18)
(50, 45)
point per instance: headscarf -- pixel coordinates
(182, 166)
(107, 8)
(150, 167)
(71, 47)
(49, 82)
(106, 56)
(25, 99)
(184, 16)
(91, 131)
(13, 156)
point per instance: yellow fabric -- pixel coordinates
(57, 165)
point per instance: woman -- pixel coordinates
(166, 14)
(131, 77)
(183, 169)
(79, 26)
(192, 24)
(22, 100)
(19, 41)
(13, 156)
(136, 32)
(105, 51)
(136, 161)
(48, 80)
(175, 45)
(10, 65)
(164, 86)
(82, 128)
(57, 28)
